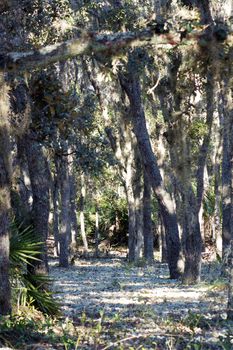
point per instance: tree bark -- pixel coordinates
(73, 209)
(192, 233)
(162, 240)
(5, 182)
(210, 114)
(147, 221)
(130, 169)
(55, 195)
(192, 238)
(81, 215)
(134, 194)
(217, 232)
(124, 146)
(40, 183)
(65, 229)
(227, 166)
(230, 289)
(96, 231)
(24, 184)
(132, 88)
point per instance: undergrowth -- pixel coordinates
(32, 330)
(28, 288)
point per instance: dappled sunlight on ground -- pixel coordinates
(114, 286)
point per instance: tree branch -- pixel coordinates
(91, 43)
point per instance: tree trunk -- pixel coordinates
(147, 222)
(192, 239)
(230, 289)
(162, 240)
(124, 146)
(73, 210)
(22, 209)
(55, 195)
(81, 215)
(130, 168)
(139, 216)
(217, 232)
(39, 177)
(132, 88)
(227, 175)
(21, 194)
(5, 182)
(65, 229)
(96, 231)
(227, 171)
(134, 193)
(135, 212)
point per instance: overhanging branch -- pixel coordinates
(91, 43)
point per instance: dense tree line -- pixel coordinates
(102, 94)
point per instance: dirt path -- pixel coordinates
(138, 303)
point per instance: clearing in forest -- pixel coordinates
(114, 305)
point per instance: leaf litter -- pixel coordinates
(115, 305)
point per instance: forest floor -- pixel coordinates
(114, 305)
(109, 304)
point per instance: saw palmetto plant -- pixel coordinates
(28, 289)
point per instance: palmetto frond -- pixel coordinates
(23, 245)
(29, 289)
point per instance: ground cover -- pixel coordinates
(109, 304)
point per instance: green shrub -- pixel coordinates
(28, 289)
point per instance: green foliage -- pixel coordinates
(28, 289)
(194, 320)
(54, 109)
(112, 18)
(36, 293)
(209, 202)
(24, 246)
(48, 21)
(112, 209)
(23, 331)
(197, 129)
(113, 206)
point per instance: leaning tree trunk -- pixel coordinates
(132, 88)
(5, 180)
(40, 184)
